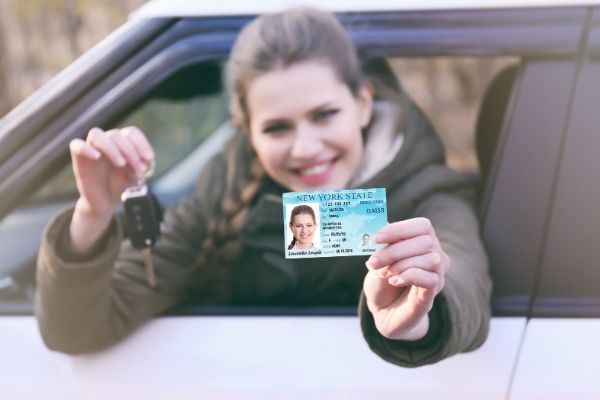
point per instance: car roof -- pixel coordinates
(205, 8)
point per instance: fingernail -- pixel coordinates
(121, 162)
(395, 280)
(380, 238)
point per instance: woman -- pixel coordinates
(308, 119)
(302, 224)
(366, 240)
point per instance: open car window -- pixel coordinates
(185, 119)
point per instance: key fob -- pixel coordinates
(143, 216)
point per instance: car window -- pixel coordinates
(448, 89)
(450, 92)
(174, 127)
(175, 121)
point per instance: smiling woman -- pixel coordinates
(309, 116)
(303, 224)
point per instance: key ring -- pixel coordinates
(147, 173)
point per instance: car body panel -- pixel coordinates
(523, 188)
(558, 360)
(249, 358)
(569, 285)
(186, 8)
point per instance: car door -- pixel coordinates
(560, 351)
(321, 352)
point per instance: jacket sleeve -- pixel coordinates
(462, 310)
(86, 305)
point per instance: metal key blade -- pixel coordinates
(149, 267)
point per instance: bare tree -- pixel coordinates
(73, 25)
(5, 98)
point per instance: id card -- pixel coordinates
(333, 223)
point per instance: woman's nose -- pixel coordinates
(307, 142)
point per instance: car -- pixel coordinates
(537, 144)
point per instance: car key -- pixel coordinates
(143, 217)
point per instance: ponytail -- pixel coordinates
(223, 246)
(292, 244)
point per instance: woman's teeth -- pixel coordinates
(315, 170)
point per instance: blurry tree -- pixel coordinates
(40, 38)
(5, 102)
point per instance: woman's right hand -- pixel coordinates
(105, 164)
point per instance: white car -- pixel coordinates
(538, 142)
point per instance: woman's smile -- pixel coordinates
(316, 173)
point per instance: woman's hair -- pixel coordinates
(276, 41)
(298, 210)
(269, 42)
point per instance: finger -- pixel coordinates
(383, 272)
(140, 141)
(128, 150)
(428, 262)
(403, 230)
(392, 253)
(416, 277)
(378, 292)
(98, 139)
(79, 148)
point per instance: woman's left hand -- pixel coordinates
(404, 277)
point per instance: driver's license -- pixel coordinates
(333, 222)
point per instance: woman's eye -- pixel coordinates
(275, 128)
(325, 114)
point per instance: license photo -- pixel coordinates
(333, 223)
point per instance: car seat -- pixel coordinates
(491, 117)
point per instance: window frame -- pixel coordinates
(539, 36)
(569, 285)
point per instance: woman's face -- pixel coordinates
(303, 227)
(305, 126)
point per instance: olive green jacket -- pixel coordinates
(86, 305)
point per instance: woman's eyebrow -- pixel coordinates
(274, 121)
(311, 111)
(320, 107)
